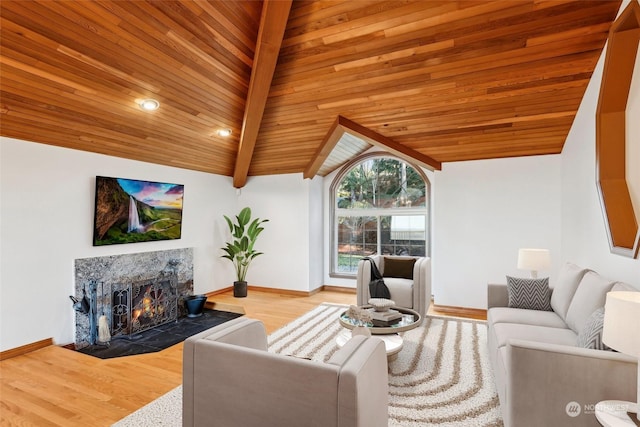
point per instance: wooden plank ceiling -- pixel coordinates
(450, 80)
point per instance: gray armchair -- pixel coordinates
(231, 380)
(411, 291)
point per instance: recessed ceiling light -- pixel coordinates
(149, 104)
(224, 132)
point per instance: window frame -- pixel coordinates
(375, 212)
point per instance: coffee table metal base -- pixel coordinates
(392, 342)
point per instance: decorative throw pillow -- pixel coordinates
(590, 335)
(398, 267)
(532, 294)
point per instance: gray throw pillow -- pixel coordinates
(590, 335)
(532, 294)
(590, 295)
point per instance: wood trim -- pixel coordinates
(24, 349)
(339, 289)
(374, 138)
(329, 142)
(273, 22)
(343, 125)
(291, 292)
(473, 313)
(620, 218)
(219, 291)
(288, 292)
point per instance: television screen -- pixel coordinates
(131, 211)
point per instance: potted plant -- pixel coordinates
(240, 250)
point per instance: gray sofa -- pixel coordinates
(231, 380)
(539, 369)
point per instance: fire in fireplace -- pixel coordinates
(143, 305)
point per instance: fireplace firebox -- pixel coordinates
(143, 305)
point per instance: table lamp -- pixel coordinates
(621, 330)
(534, 260)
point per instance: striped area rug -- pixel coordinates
(441, 376)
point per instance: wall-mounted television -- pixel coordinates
(132, 211)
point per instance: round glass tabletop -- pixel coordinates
(410, 319)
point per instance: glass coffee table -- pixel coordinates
(389, 334)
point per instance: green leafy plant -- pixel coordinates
(245, 232)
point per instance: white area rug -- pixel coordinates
(441, 377)
(165, 411)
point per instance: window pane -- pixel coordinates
(357, 237)
(388, 189)
(403, 235)
(381, 183)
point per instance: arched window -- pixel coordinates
(380, 206)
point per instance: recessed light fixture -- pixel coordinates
(149, 104)
(224, 132)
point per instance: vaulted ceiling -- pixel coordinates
(439, 81)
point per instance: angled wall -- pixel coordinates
(584, 235)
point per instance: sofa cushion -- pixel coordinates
(506, 331)
(401, 291)
(591, 295)
(565, 287)
(590, 335)
(525, 317)
(531, 294)
(398, 267)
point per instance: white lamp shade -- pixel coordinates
(621, 330)
(534, 259)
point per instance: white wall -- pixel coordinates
(584, 238)
(46, 222)
(316, 233)
(484, 212)
(286, 201)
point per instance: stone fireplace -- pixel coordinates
(135, 292)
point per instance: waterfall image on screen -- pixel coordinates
(130, 211)
(134, 218)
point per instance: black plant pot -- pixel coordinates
(239, 289)
(195, 304)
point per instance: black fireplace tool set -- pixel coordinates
(98, 327)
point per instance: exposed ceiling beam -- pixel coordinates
(343, 125)
(324, 150)
(374, 138)
(272, 25)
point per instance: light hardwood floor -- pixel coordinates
(55, 386)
